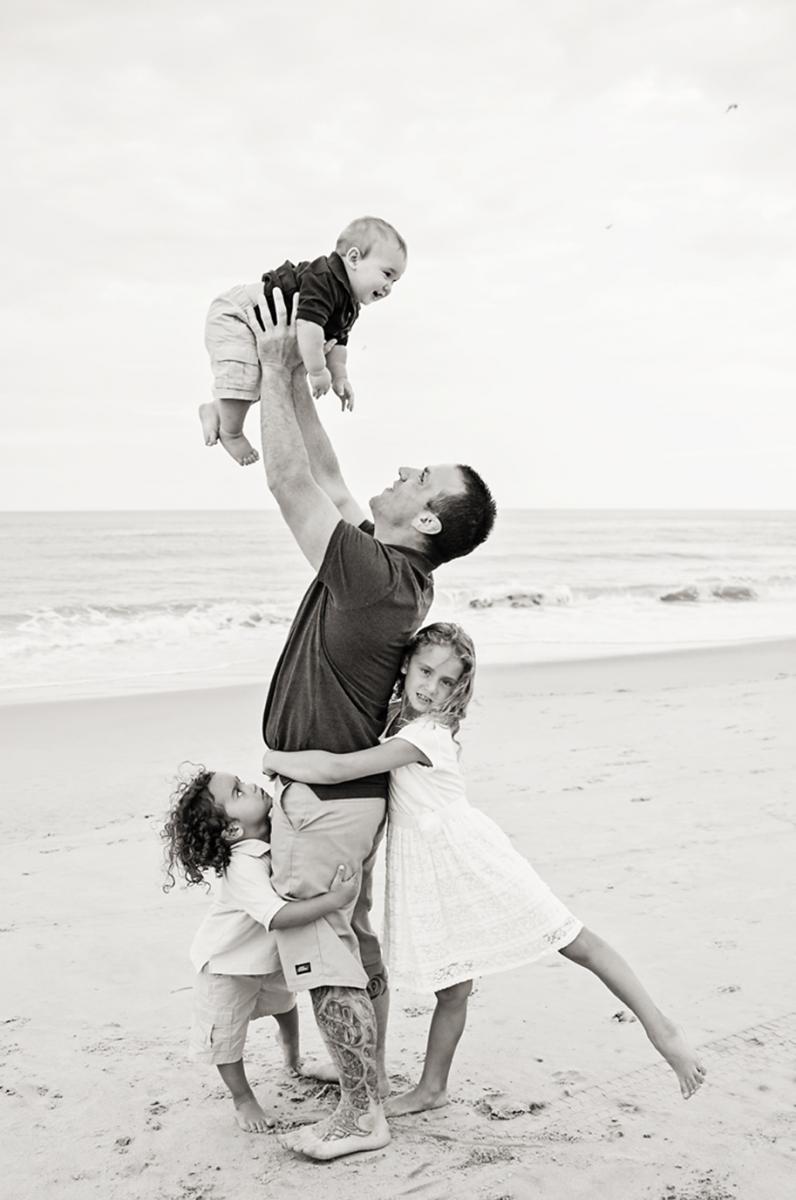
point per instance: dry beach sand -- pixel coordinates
(655, 794)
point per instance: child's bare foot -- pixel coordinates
(308, 1068)
(420, 1099)
(673, 1045)
(208, 415)
(311, 1068)
(250, 1116)
(238, 446)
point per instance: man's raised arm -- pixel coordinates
(322, 458)
(307, 509)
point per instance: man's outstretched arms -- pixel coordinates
(322, 458)
(307, 509)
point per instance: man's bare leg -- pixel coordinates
(248, 1113)
(379, 993)
(590, 951)
(348, 1024)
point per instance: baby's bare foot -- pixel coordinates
(250, 1116)
(420, 1099)
(673, 1045)
(238, 446)
(208, 415)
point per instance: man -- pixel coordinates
(330, 690)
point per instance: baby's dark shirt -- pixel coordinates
(324, 294)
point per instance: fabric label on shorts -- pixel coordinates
(303, 968)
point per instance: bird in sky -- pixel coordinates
(729, 108)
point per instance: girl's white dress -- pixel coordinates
(460, 901)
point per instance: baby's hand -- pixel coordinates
(320, 382)
(344, 888)
(343, 389)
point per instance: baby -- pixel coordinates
(219, 824)
(369, 258)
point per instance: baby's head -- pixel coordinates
(374, 255)
(438, 674)
(210, 811)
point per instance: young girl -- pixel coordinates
(217, 823)
(461, 902)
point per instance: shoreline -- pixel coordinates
(36, 695)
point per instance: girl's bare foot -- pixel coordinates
(238, 446)
(673, 1045)
(420, 1099)
(208, 415)
(250, 1116)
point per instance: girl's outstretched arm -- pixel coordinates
(320, 766)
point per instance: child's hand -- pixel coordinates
(320, 382)
(342, 387)
(345, 889)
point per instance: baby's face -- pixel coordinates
(373, 277)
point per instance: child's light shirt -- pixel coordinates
(419, 793)
(235, 937)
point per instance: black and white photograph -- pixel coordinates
(398, 604)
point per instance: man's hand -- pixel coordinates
(268, 770)
(342, 387)
(277, 346)
(320, 382)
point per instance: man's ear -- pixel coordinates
(427, 522)
(233, 832)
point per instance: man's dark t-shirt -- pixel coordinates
(334, 678)
(324, 294)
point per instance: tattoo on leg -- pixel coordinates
(347, 1023)
(377, 985)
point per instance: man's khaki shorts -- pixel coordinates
(223, 1007)
(310, 838)
(231, 345)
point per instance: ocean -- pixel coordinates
(109, 603)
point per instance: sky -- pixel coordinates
(599, 200)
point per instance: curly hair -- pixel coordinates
(445, 633)
(194, 831)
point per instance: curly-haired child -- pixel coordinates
(218, 824)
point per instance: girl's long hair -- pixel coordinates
(445, 633)
(194, 831)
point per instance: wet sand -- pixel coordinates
(655, 794)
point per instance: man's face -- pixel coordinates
(373, 277)
(414, 488)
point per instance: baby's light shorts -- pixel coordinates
(231, 345)
(223, 1007)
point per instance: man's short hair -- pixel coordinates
(467, 518)
(364, 232)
